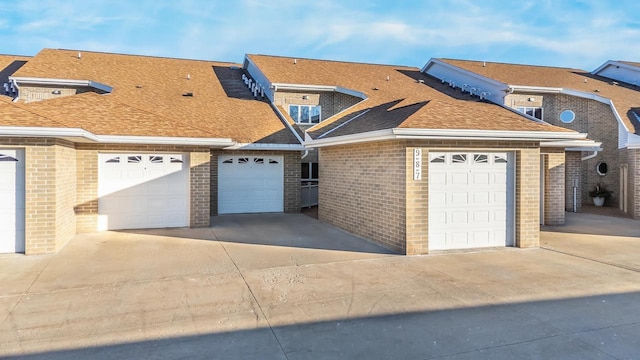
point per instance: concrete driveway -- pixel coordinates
(609, 240)
(289, 287)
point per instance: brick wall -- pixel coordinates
(554, 186)
(573, 176)
(592, 117)
(49, 192)
(38, 93)
(200, 179)
(362, 190)
(65, 193)
(291, 177)
(528, 198)
(331, 102)
(632, 158)
(368, 190)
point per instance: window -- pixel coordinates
(309, 171)
(134, 159)
(536, 112)
(458, 158)
(258, 160)
(155, 159)
(305, 114)
(4, 157)
(567, 116)
(437, 159)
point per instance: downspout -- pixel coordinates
(306, 152)
(575, 181)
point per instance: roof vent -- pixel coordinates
(79, 55)
(484, 64)
(188, 76)
(295, 61)
(188, 94)
(614, 83)
(420, 81)
(56, 92)
(585, 80)
(138, 86)
(596, 90)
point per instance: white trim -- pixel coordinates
(61, 82)
(305, 87)
(336, 115)
(258, 146)
(584, 145)
(287, 123)
(425, 134)
(268, 86)
(614, 63)
(461, 70)
(114, 139)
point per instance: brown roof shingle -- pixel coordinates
(625, 97)
(397, 97)
(147, 97)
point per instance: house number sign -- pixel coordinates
(417, 164)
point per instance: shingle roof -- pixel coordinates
(408, 99)
(147, 97)
(625, 97)
(631, 63)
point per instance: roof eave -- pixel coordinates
(81, 135)
(447, 134)
(61, 82)
(324, 88)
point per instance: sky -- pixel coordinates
(578, 34)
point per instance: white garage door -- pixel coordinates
(471, 200)
(11, 201)
(250, 184)
(138, 191)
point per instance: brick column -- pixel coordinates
(554, 188)
(417, 205)
(573, 175)
(199, 178)
(528, 198)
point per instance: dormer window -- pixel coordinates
(305, 114)
(536, 112)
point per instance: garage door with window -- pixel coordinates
(12, 200)
(250, 184)
(138, 191)
(471, 200)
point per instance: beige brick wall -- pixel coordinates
(598, 121)
(29, 93)
(528, 197)
(528, 100)
(632, 160)
(573, 176)
(368, 190)
(87, 179)
(554, 186)
(331, 102)
(291, 177)
(49, 192)
(362, 190)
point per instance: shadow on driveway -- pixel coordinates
(594, 327)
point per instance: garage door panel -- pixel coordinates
(143, 191)
(12, 201)
(250, 184)
(468, 200)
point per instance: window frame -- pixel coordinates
(311, 171)
(310, 109)
(523, 110)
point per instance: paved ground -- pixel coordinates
(289, 287)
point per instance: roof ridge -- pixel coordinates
(515, 64)
(143, 56)
(333, 61)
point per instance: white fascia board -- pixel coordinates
(272, 147)
(61, 82)
(614, 63)
(584, 145)
(325, 88)
(337, 115)
(71, 133)
(268, 86)
(436, 134)
(463, 71)
(536, 89)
